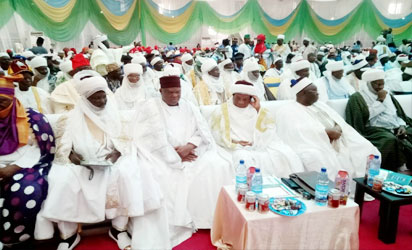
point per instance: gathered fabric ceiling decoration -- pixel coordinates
(123, 20)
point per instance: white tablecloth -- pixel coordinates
(318, 228)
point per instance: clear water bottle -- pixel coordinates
(241, 174)
(374, 169)
(322, 188)
(368, 165)
(257, 182)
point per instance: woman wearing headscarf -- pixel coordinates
(98, 176)
(26, 154)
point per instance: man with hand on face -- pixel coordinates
(180, 137)
(320, 136)
(245, 131)
(28, 95)
(41, 73)
(333, 85)
(379, 117)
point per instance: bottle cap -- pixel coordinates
(323, 170)
(257, 170)
(242, 162)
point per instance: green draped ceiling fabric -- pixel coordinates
(122, 21)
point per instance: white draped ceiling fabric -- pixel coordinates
(17, 31)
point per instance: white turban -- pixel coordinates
(139, 59)
(250, 65)
(277, 59)
(171, 70)
(300, 85)
(4, 54)
(131, 68)
(98, 39)
(225, 62)
(359, 63)
(333, 66)
(207, 65)
(38, 61)
(91, 85)
(299, 65)
(408, 70)
(240, 87)
(281, 36)
(381, 39)
(28, 54)
(371, 75)
(156, 60)
(186, 57)
(66, 66)
(402, 58)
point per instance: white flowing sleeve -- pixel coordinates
(375, 109)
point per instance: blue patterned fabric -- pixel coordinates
(25, 192)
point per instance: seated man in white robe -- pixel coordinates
(181, 138)
(28, 95)
(314, 71)
(133, 90)
(245, 131)
(64, 97)
(210, 90)
(187, 63)
(229, 76)
(148, 74)
(185, 85)
(251, 73)
(280, 49)
(333, 85)
(95, 179)
(157, 64)
(320, 136)
(298, 69)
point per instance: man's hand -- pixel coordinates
(9, 171)
(382, 95)
(113, 156)
(333, 134)
(75, 158)
(190, 157)
(401, 131)
(185, 150)
(255, 102)
(243, 143)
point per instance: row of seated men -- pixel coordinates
(168, 163)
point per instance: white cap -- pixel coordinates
(243, 87)
(186, 57)
(156, 60)
(359, 63)
(281, 36)
(306, 39)
(299, 65)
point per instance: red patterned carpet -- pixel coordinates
(368, 234)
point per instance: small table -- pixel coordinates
(320, 227)
(388, 210)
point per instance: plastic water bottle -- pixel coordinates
(374, 169)
(322, 188)
(241, 174)
(257, 182)
(368, 165)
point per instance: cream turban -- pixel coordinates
(66, 66)
(333, 66)
(298, 86)
(156, 60)
(208, 64)
(132, 68)
(371, 75)
(299, 65)
(139, 59)
(38, 61)
(186, 57)
(99, 38)
(243, 87)
(250, 65)
(171, 70)
(91, 85)
(281, 36)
